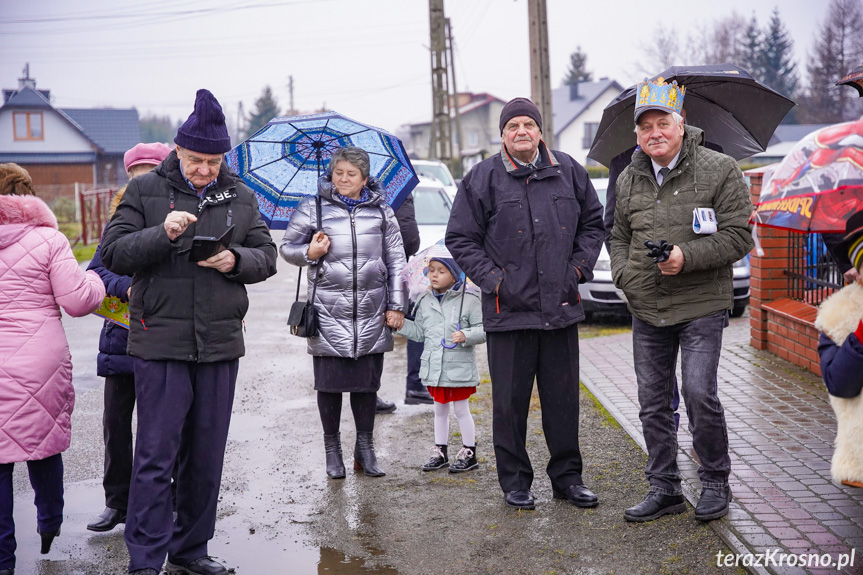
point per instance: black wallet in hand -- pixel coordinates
(205, 247)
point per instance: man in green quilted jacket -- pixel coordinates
(695, 201)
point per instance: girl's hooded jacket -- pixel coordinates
(436, 320)
(38, 275)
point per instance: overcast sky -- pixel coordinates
(367, 59)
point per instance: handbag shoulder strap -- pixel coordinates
(300, 275)
(383, 233)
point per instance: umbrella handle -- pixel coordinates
(451, 345)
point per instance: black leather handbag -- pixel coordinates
(303, 317)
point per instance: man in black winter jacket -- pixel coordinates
(526, 227)
(186, 335)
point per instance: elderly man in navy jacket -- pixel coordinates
(186, 335)
(526, 226)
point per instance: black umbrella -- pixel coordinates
(853, 79)
(735, 111)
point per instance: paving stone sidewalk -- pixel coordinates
(780, 430)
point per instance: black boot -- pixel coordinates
(47, 539)
(335, 464)
(364, 455)
(438, 459)
(465, 460)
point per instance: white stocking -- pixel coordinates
(441, 423)
(465, 422)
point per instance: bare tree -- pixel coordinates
(837, 49)
(717, 42)
(662, 51)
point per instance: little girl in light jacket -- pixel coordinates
(449, 322)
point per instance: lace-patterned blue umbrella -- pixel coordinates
(283, 160)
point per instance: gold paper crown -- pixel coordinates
(657, 95)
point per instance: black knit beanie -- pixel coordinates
(520, 107)
(205, 131)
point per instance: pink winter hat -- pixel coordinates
(146, 154)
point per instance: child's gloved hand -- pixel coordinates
(458, 337)
(659, 252)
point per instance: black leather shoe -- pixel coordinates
(7, 572)
(201, 566)
(141, 572)
(416, 397)
(109, 519)
(47, 538)
(578, 495)
(384, 406)
(521, 499)
(654, 506)
(713, 503)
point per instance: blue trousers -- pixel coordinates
(415, 352)
(46, 477)
(184, 410)
(655, 350)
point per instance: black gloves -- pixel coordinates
(659, 252)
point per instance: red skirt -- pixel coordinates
(448, 394)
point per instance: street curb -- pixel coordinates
(719, 527)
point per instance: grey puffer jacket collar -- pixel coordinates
(358, 278)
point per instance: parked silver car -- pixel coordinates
(432, 205)
(600, 295)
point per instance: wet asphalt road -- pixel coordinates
(279, 514)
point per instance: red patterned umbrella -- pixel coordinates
(818, 185)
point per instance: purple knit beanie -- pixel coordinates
(205, 131)
(520, 107)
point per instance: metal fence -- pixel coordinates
(812, 273)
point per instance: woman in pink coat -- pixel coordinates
(38, 274)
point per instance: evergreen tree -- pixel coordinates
(752, 50)
(779, 70)
(266, 108)
(836, 51)
(577, 71)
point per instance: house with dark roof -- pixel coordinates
(577, 111)
(60, 147)
(782, 142)
(478, 114)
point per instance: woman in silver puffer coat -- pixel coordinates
(356, 259)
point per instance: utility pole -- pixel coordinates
(441, 140)
(459, 142)
(540, 79)
(240, 121)
(292, 111)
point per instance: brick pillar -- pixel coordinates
(768, 281)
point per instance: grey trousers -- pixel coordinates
(655, 351)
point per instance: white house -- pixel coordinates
(577, 111)
(61, 147)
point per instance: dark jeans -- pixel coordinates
(413, 381)
(515, 359)
(415, 352)
(117, 430)
(46, 478)
(655, 352)
(184, 410)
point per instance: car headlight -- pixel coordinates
(602, 266)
